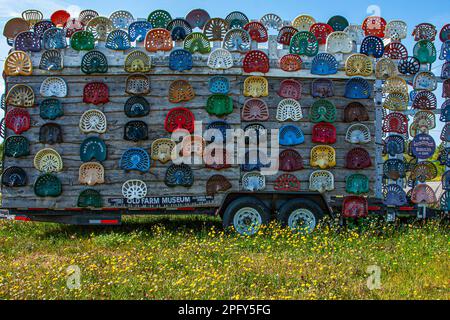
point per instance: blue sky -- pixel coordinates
(412, 11)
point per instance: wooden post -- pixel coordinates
(378, 99)
(273, 47)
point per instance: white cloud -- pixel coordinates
(10, 8)
(73, 10)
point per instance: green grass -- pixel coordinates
(191, 258)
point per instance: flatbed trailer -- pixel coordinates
(237, 206)
(82, 216)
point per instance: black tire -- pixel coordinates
(258, 210)
(310, 210)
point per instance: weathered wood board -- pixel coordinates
(160, 79)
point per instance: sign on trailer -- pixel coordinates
(162, 202)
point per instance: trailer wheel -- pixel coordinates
(300, 215)
(246, 215)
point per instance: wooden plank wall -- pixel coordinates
(160, 79)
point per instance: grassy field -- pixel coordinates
(192, 258)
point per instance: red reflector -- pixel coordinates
(21, 218)
(374, 208)
(185, 209)
(111, 209)
(406, 208)
(109, 221)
